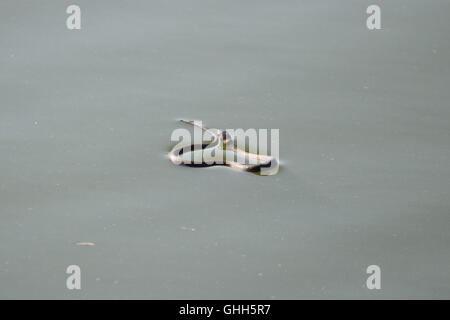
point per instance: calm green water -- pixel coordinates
(85, 122)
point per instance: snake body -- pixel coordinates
(221, 140)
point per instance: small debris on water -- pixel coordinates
(187, 228)
(86, 244)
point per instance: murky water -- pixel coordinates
(85, 123)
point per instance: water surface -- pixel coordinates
(85, 122)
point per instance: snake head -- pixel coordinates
(227, 139)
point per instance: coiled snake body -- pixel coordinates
(222, 141)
